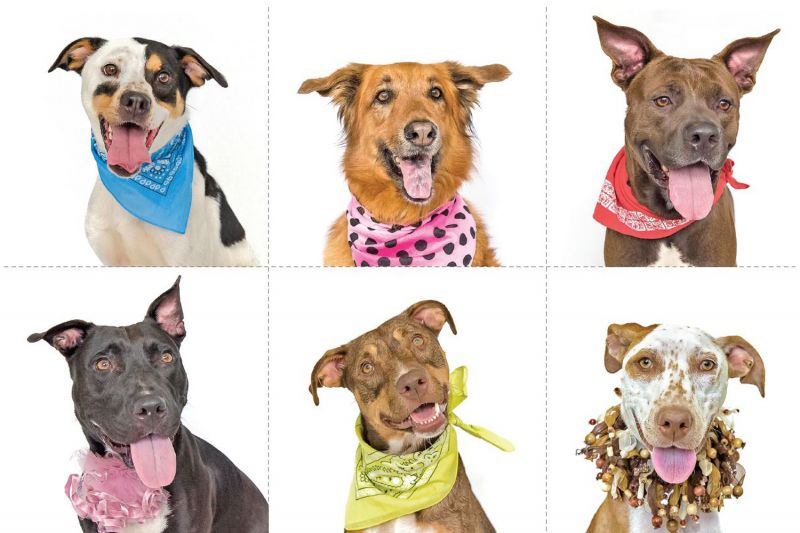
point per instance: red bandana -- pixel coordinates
(618, 209)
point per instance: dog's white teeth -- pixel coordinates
(437, 412)
(665, 169)
(397, 160)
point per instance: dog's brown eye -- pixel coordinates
(110, 70)
(436, 93)
(167, 357)
(367, 367)
(103, 365)
(646, 363)
(662, 101)
(418, 340)
(163, 77)
(383, 96)
(725, 105)
(707, 365)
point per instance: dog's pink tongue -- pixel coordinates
(674, 465)
(417, 177)
(423, 413)
(154, 461)
(690, 191)
(128, 148)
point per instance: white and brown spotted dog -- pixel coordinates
(137, 88)
(674, 382)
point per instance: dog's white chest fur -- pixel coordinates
(669, 255)
(404, 524)
(119, 239)
(640, 521)
(156, 525)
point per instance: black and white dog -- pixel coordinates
(134, 92)
(129, 389)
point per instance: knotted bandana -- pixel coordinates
(446, 237)
(630, 471)
(161, 192)
(619, 210)
(111, 495)
(386, 487)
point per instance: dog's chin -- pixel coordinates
(427, 421)
(413, 174)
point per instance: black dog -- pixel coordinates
(129, 388)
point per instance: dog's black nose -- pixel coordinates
(420, 132)
(135, 103)
(149, 407)
(701, 136)
(413, 384)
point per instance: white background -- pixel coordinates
(500, 322)
(48, 171)
(586, 114)
(224, 354)
(313, 39)
(758, 305)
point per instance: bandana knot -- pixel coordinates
(619, 210)
(445, 237)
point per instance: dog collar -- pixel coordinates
(161, 192)
(619, 210)
(386, 487)
(627, 471)
(111, 495)
(445, 237)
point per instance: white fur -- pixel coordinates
(155, 525)
(404, 524)
(117, 237)
(669, 256)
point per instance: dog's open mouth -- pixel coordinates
(689, 187)
(673, 464)
(152, 456)
(414, 173)
(425, 419)
(127, 145)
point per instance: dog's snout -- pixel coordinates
(702, 136)
(674, 423)
(150, 408)
(413, 384)
(135, 103)
(420, 132)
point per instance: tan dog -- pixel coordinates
(399, 376)
(409, 148)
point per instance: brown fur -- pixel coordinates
(368, 127)
(407, 342)
(611, 517)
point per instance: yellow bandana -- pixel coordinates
(386, 487)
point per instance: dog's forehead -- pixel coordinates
(405, 73)
(691, 74)
(678, 342)
(126, 50)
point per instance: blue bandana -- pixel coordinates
(161, 192)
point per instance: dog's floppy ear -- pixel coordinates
(432, 314)
(744, 362)
(341, 86)
(328, 371)
(469, 80)
(619, 340)
(629, 49)
(65, 337)
(75, 54)
(198, 69)
(167, 312)
(743, 57)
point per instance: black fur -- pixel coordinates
(231, 230)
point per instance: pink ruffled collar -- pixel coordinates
(111, 495)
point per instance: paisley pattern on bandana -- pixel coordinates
(446, 237)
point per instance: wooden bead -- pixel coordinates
(673, 526)
(644, 453)
(633, 501)
(607, 477)
(727, 490)
(592, 422)
(699, 491)
(691, 509)
(662, 512)
(673, 510)
(738, 490)
(738, 443)
(590, 439)
(713, 502)
(600, 463)
(711, 453)
(606, 487)
(657, 521)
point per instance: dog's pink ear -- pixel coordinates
(167, 312)
(629, 49)
(75, 54)
(619, 340)
(198, 69)
(744, 362)
(66, 337)
(743, 57)
(341, 86)
(432, 314)
(328, 371)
